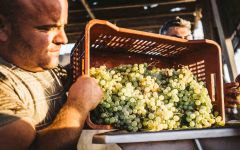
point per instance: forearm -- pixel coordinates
(64, 132)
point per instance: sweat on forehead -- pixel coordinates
(35, 8)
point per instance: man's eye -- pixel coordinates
(46, 28)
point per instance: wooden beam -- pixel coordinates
(155, 16)
(135, 5)
(226, 43)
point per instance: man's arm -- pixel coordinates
(64, 132)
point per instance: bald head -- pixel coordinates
(27, 9)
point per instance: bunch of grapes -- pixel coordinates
(139, 98)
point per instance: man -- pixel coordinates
(177, 27)
(33, 111)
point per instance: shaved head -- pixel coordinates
(22, 9)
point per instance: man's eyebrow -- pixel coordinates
(49, 25)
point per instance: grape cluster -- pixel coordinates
(139, 97)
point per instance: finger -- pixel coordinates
(231, 85)
(232, 92)
(233, 101)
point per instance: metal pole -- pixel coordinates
(198, 144)
(88, 9)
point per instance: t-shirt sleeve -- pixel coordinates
(11, 107)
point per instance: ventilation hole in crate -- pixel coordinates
(172, 52)
(140, 42)
(113, 43)
(192, 65)
(201, 75)
(182, 49)
(201, 62)
(142, 47)
(156, 53)
(194, 72)
(202, 79)
(172, 46)
(148, 52)
(117, 44)
(135, 46)
(118, 39)
(121, 45)
(139, 51)
(153, 43)
(200, 66)
(159, 46)
(163, 50)
(148, 43)
(138, 47)
(156, 50)
(201, 70)
(146, 47)
(193, 69)
(123, 39)
(109, 43)
(167, 46)
(131, 50)
(128, 39)
(104, 37)
(145, 43)
(136, 41)
(113, 39)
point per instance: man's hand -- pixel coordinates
(85, 93)
(230, 93)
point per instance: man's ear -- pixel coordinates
(4, 29)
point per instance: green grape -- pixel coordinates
(136, 98)
(150, 116)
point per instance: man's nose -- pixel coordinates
(61, 37)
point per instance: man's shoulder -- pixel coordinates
(6, 72)
(6, 69)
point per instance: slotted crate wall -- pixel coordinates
(106, 44)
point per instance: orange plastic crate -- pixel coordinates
(103, 43)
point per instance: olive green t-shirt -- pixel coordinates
(38, 96)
